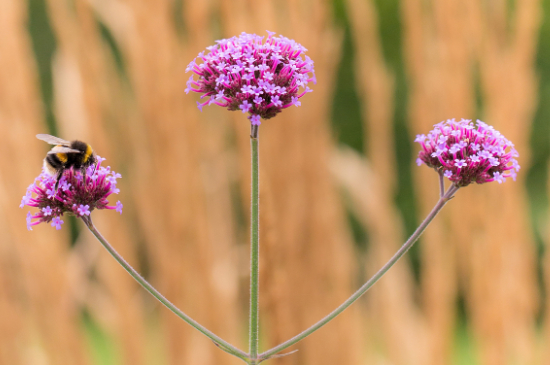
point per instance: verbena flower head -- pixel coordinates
(244, 73)
(467, 153)
(76, 195)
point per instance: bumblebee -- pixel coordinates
(66, 154)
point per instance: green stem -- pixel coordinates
(254, 247)
(406, 246)
(227, 347)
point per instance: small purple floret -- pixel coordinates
(26, 199)
(460, 163)
(257, 77)
(76, 195)
(118, 207)
(499, 177)
(29, 221)
(57, 222)
(255, 119)
(468, 152)
(245, 106)
(83, 210)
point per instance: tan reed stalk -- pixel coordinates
(12, 324)
(305, 249)
(440, 87)
(84, 98)
(506, 290)
(217, 177)
(175, 211)
(373, 200)
(35, 275)
(11, 320)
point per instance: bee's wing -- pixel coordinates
(60, 149)
(52, 140)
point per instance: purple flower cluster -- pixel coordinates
(467, 153)
(243, 73)
(75, 194)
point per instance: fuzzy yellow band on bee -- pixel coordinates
(62, 157)
(89, 152)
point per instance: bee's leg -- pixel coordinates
(83, 172)
(57, 178)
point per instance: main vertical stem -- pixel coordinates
(254, 245)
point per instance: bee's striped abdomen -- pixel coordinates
(55, 161)
(52, 163)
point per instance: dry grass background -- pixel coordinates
(185, 188)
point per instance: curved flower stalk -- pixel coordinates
(80, 194)
(456, 150)
(222, 344)
(244, 73)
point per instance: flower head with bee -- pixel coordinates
(77, 194)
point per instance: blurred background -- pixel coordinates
(339, 188)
